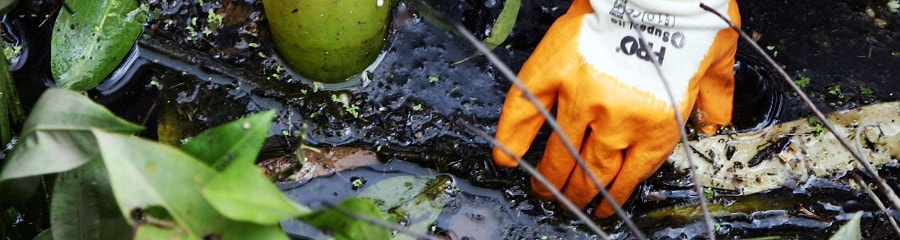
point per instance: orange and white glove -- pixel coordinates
(611, 103)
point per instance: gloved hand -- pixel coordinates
(610, 101)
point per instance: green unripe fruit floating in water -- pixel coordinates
(328, 40)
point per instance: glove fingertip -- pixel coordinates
(541, 191)
(709, 129)
(604, 210)
(504, 160)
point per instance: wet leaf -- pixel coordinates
(88, 45)
(345, 227)
(57, 138)
(850, 230)
(329, 160)
(7, 5)
(502, 27)
(504, 24)
(83, 206)
(145, 174)
(415, 200)
(45, 235)
(243, 193)
(10, 108)
(236, 141)
(150, 232)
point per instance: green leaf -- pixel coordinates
(151, 232)
(243, 193)
(850, 230)
(47, 234)
(415, 200)
(504, 24)
(83, 206)
(57, 138)
(7, 5)
(10, 108)
(835, 90)
(501, 29)
(88, 45)
(802, 82)
(708, 193)
(345, 227)
(236, 141)
(145, 174)
(866, 90)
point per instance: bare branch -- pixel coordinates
(888, 191)
(695, 174)
(862, 184)
(540, 178)
(506, 72)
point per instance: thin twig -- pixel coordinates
(506, 72)
(862, 184)
(379, 222)
(540, 178)
(888, 191)
(874, 197)
(695, 174)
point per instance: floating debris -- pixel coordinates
(792, 152)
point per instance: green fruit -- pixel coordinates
(328, 40)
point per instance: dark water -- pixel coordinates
(177, 86)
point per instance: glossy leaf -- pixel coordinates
(850, 230)
(502, 27)
(88, 45)
(7, 5)
(47, 234)
(83, 206)
(10, 108)
(57, 138)
(415, 200)
(504, 24)
(145, 173)
(151, 232)
(236, 141)
(243, 193)
(345, 227)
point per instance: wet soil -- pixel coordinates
(183, 81)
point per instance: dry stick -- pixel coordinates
(379, 222)
(553, 124)
(869, 191)
(888, 191)
(540, 178)
(877, 201)
(695, 174)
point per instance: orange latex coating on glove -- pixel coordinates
(607, 96)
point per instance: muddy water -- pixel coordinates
(182, 82)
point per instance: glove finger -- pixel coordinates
(520, 120)
(555, 166)
(641, 160)
(558, 163)
(518, 125)
(603, 163)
